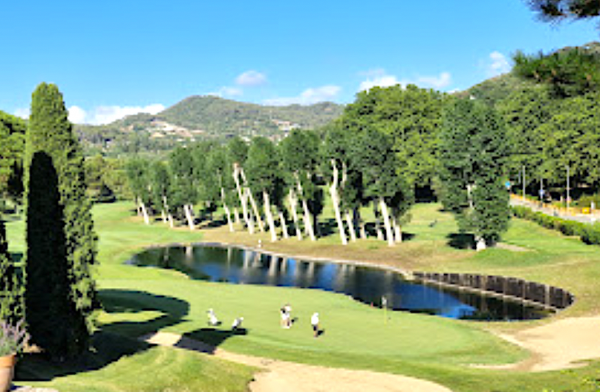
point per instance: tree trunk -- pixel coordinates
(269, 216)
(480, 244)
(397, 230)
(306, 216)
(284, 230)
(360, 223)
(171, 221)
(188, 216)
(377, 222)
(227, 212)
(335, 198)
(470, 195)
(145, 213)
(386, 221)
(243, 199)
(350, 224)
(261, 225)
(163, 216)
(293, 205)
(236, 215)
(166, 213)
(138, 206)
(228, 215)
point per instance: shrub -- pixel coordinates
(13, 338)
(588, 233)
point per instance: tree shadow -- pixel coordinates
(370, 229)
(113, 341)
(173, 311)
(461, 240)
(327, 227)
(206, 340)
(17, 257)
(121, 338)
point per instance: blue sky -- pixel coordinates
(111, 58)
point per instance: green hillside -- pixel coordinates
(199, 118)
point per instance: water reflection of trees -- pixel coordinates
(368, 285)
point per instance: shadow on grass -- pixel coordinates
(105, 349)
(206, 340)
(114, 340)
(121, 338)
(17, 257)
(461, 240)
(172, 311)
(327, 227)
(371, 230)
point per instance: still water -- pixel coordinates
(369, 285)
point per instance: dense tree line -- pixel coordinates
(383, 149)
(12, 147)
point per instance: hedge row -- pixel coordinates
(589, 233)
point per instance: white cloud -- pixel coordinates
(378, 77)
(497, 64)
(77, 115)
(437, 82)
(107, 114)
(380, 81)
(307, 97)
(227, 92)
(101, 114)
(22, 112)
(251, 79)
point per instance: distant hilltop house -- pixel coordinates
(285, 126)
(162, 128)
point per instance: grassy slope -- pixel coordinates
(143, 300)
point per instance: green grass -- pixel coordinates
(142, 300)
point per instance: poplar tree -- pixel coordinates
(300, 160)
(11, 288)
(61, 294)
(138, 174)
(264, 177)
(473, 155)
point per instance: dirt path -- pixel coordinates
(294, 377)
(558, 345)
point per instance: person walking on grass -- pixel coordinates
(286, 316)
(314, 320)
(288, 310)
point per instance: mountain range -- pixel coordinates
(205, 117)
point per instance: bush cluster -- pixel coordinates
(589, 233)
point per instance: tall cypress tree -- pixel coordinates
(11, 289)
(69, 253)
(473, 155)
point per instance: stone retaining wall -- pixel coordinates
(515, 288)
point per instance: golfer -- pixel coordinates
(314, 320)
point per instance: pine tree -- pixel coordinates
(11, 287)
(60, 232)
(473, 154)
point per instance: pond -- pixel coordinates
(365, 284)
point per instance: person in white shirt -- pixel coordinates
(237, 323)
(288, 310)
(212, 318)
(314, 320)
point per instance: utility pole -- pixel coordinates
(541, 190)
(523, 182)
(568, 190)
